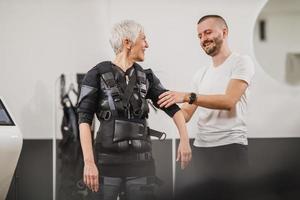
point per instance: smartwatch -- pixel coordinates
(192, 98)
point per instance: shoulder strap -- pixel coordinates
(104, 67)
(111, 89)
(139, 77)
(140, 108)
(142, 80)
(106, 72)
(129, 90)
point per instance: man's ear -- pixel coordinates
(225, 32)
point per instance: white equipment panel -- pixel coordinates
(10, 148)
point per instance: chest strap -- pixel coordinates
(112, 92)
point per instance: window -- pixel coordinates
(293, 68)
(5, 119)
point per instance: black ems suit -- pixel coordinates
(123, 145)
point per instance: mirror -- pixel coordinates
(277, 40)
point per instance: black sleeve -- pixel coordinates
(156, 89)
(88, 99)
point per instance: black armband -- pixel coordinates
(85, 118)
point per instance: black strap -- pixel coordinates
(126, 91)
(142, 79)
(129, 90)
(139, 103)
(157, 134)
(108, 77)
(110, 158)
(110, 85)
(112, 90)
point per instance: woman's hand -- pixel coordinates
(184, 153)
(91, 176)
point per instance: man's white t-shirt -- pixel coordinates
(221, 127)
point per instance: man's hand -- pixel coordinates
(184, 153)
(169, 98)
(91, 176)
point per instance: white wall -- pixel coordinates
(41, 39)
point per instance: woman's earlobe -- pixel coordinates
(127, 44)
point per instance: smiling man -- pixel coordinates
(221, 94)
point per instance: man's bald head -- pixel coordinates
(220, 20)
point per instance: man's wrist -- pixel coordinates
(192, 98)
(186, 97)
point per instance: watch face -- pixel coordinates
(5, 119)
(193, 97)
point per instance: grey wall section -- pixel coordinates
(275, 165)
(162, 153)
(33, 175)
(273, 173)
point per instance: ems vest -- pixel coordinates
(122, 111)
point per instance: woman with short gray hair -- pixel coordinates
(117, 91)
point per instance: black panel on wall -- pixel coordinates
(69, 173)
(33, 176)
(274, 169)
(273, 172)
(262, 30)
(162, 153)
(33, 180)
(12, 193)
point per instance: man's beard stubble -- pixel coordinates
(215, 48)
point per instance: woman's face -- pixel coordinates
(137, 51)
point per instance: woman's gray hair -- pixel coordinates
(127, 29)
